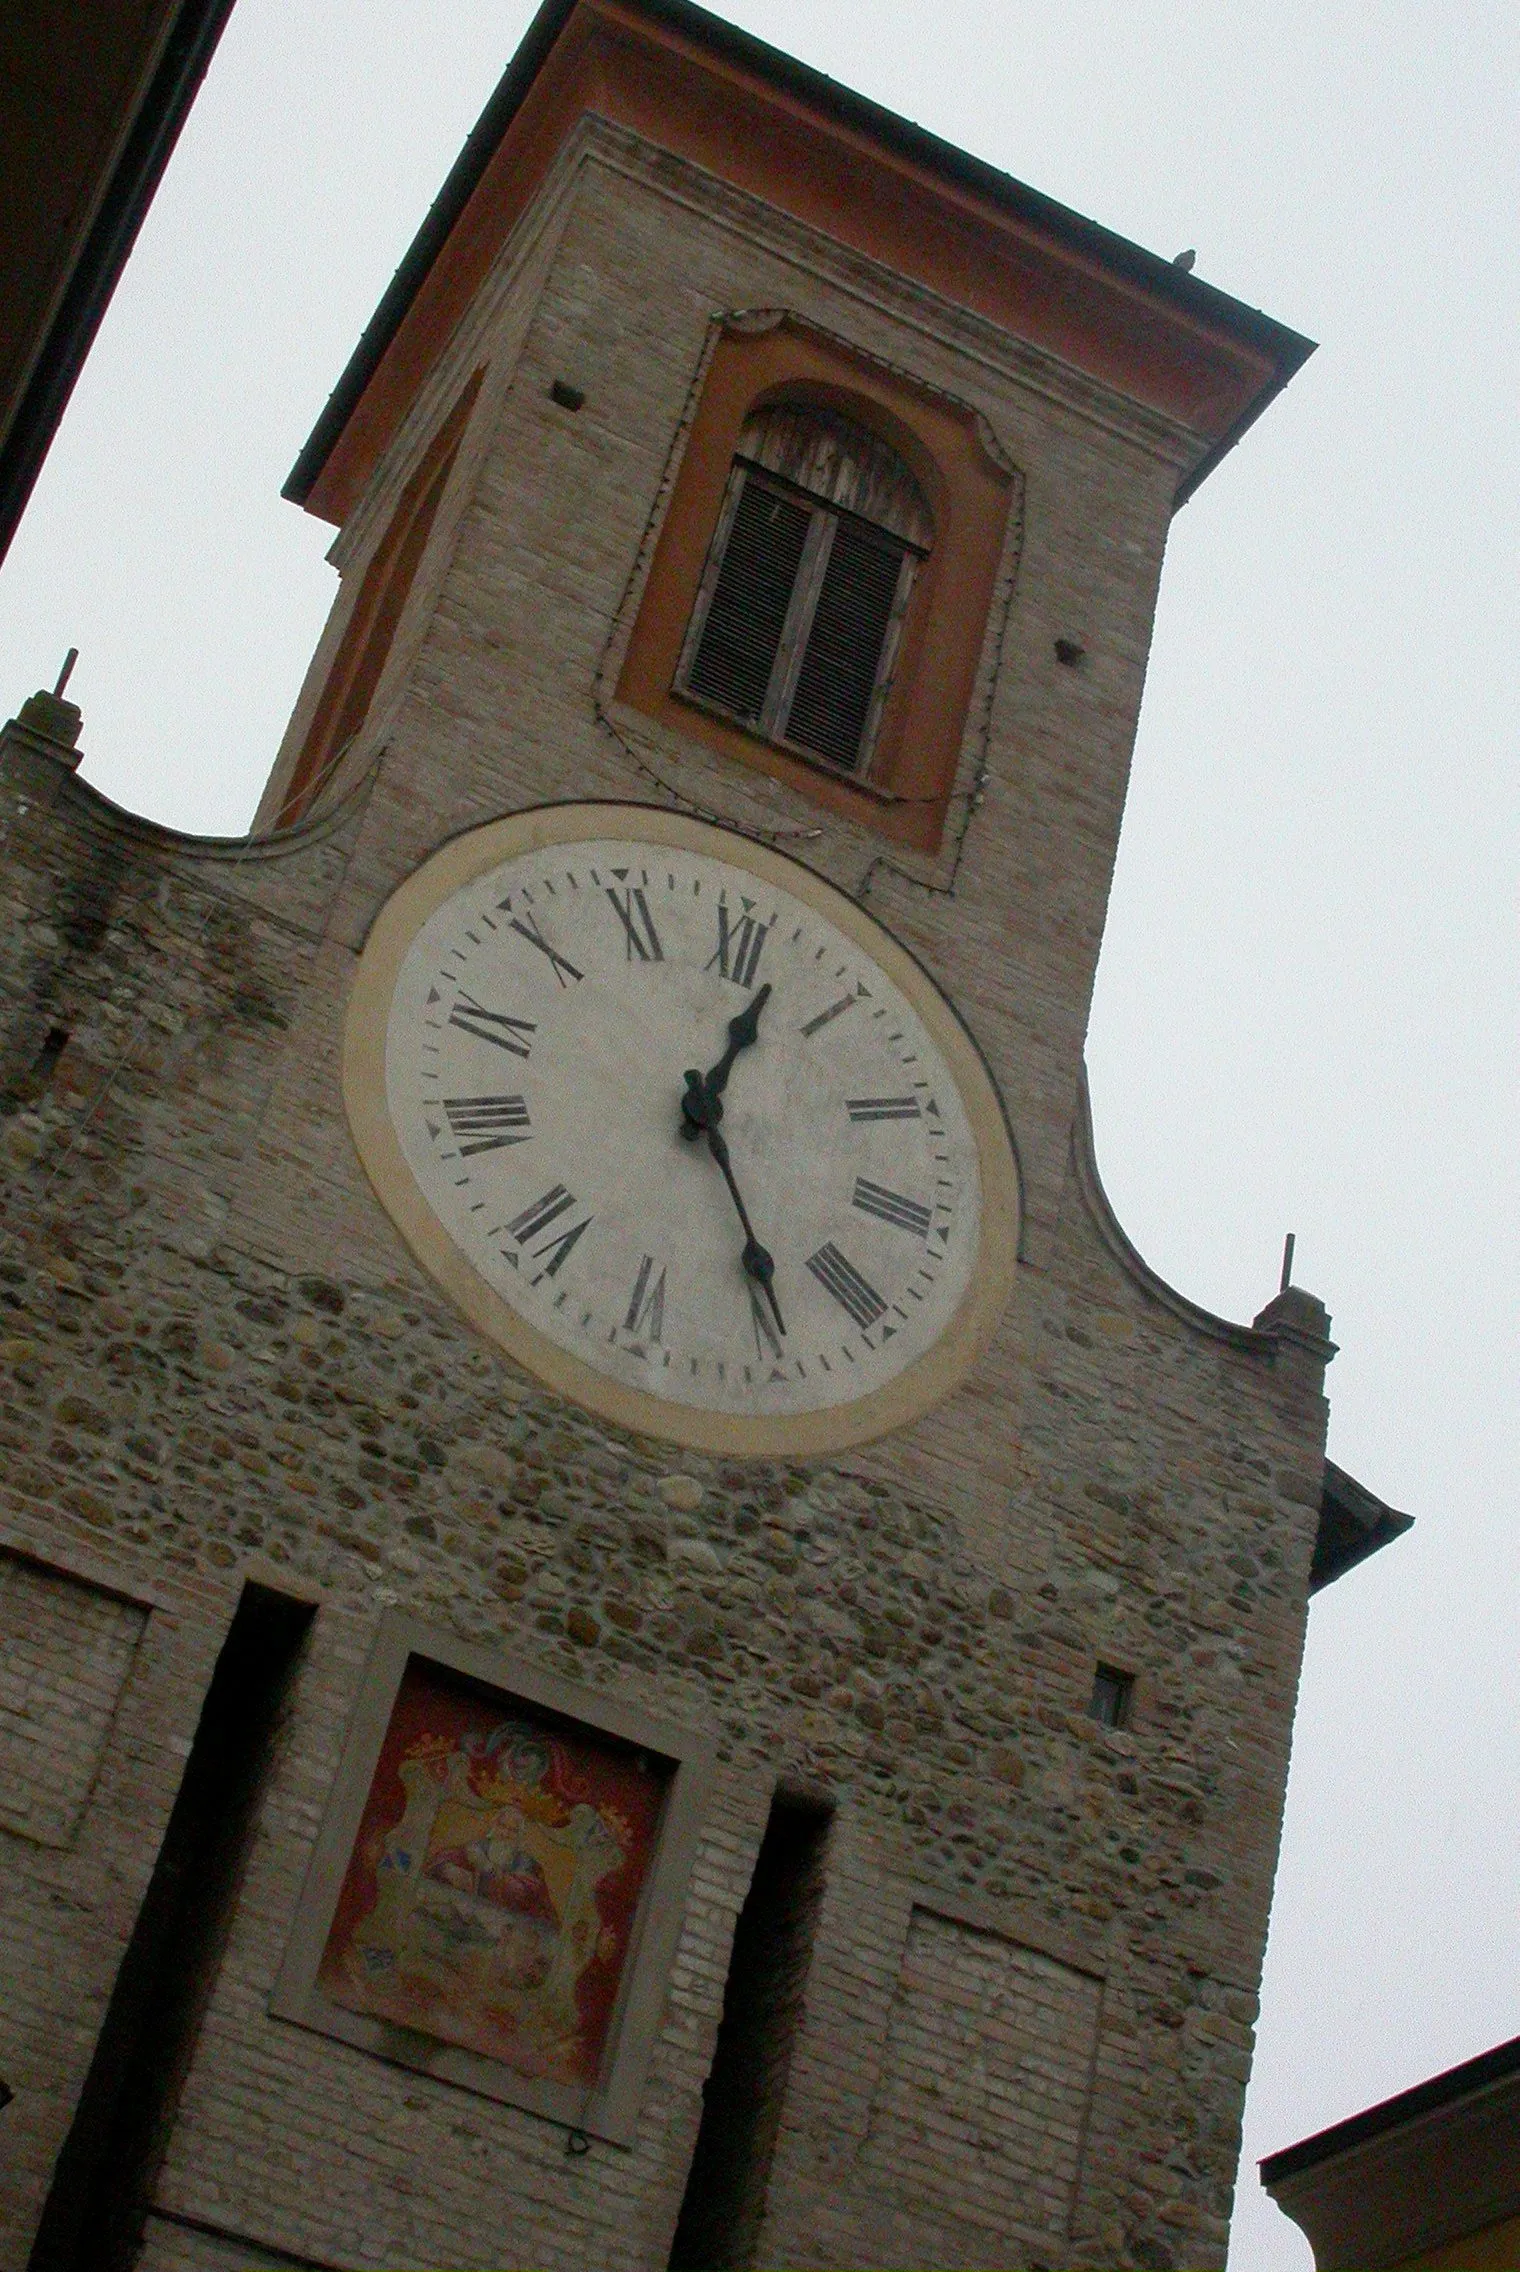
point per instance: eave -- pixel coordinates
(876, 182)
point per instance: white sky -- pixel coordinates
(1305, 1015)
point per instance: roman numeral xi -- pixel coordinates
(639, 934)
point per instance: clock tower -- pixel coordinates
(645, 1639)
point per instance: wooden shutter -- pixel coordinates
(830, 708)
(796, 624)
(747, 614)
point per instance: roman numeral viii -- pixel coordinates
(492, 1025)
(839, 1277)
(891, 1207)
(485, 1124)
(639, 934)
(740, 945)
(536, 1219)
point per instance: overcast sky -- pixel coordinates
(1305, 1015)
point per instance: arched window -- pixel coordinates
(801, 604)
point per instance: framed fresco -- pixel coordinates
(498, 1883)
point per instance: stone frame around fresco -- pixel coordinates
(609, 2108)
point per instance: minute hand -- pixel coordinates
(756, 1261)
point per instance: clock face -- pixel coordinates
(682, 1127)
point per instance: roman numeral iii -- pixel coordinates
(485, 1124)
(492, 1025)
(883, 1108)
(838, 1276)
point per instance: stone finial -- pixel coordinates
(49, 726)
(1299, 1319)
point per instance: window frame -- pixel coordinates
(974, 494)
(825, 518)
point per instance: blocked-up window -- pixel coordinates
(978, 2113)
(65, 1651)
(800, 609)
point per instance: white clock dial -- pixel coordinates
(678, 1119)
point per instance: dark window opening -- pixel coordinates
(34, 1082)
(1112, 1695)
(800, 612)
(724, 2204)
(104, 2178)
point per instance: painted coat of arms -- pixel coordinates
(491, 1893)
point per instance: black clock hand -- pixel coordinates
(757, 1263)
(700, 1107)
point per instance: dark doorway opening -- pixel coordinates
(724, 2204)
(105, 2175)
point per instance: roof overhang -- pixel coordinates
(751, 115)
(1407, 2176)
(92, 99)
(1353, 1523)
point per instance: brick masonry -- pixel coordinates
(1027, 2025)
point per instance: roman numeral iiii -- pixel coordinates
(838, 1276)
(891, 1207)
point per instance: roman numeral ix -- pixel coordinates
(740, 945)
(492, 1025)
(485, 1124)
(537, 1218)
(890, 1207)
(839, 1277)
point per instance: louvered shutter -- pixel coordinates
(831, 705)
(747, 614)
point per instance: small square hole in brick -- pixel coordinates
(567, 396)
(1112, 1694)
